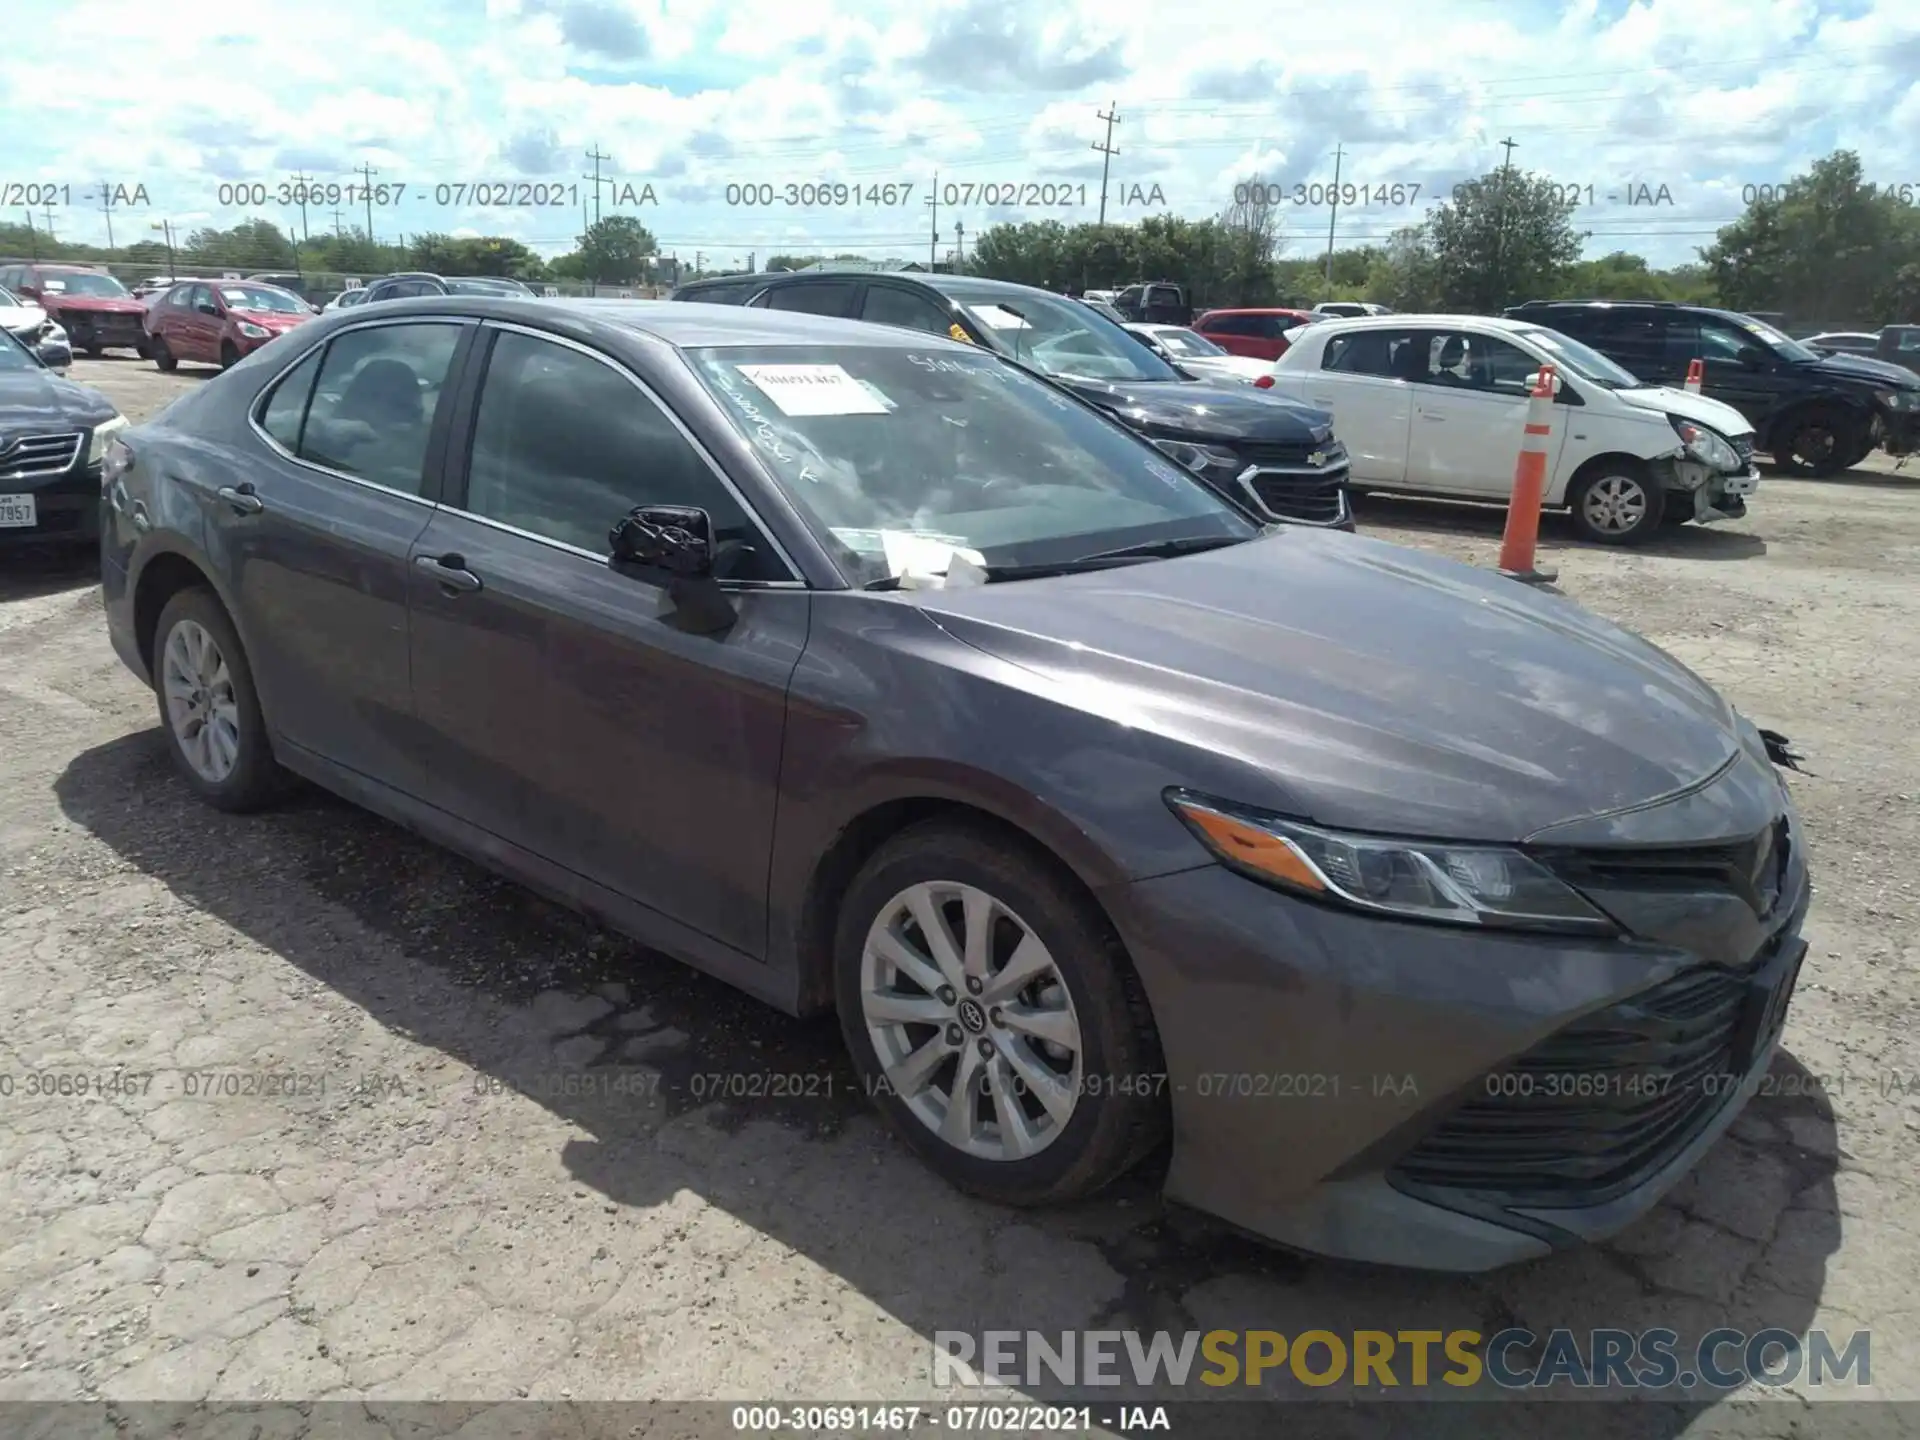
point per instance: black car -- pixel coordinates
(1816, 414)
(720, 289)
(413, 283)
(53, 433)
(1276, 454)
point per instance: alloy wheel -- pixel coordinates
(971, 1021)
(1615, 504)
(198, 688)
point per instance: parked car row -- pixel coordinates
(54, 435)
(1072, 785)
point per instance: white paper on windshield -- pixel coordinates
(998, 317)
(55, 285)
(235, 297)
(923, 555)
(813, 390)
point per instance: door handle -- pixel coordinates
(241, 498)
(450, 571)
(1326, 400)
(1429, 415)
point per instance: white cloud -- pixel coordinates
(1703, 97)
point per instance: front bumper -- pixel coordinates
(1330, 1073)
(66, 501)
(103, 330)
(1899, 431)
(1296, 484)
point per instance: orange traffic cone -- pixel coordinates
(1530, 487)
(1696, 372)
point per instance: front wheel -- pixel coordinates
(1617, 504)
(209, 707)
(162, 354)
(995, 1018)
(229, 355)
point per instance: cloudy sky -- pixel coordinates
(703, 108)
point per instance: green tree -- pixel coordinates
(1405, 273)
(1505, 237)
(1824, 247)
(617, 250)
(251, 245)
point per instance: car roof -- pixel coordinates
(956, 287)
(1258, 310)
(683, 324)
(69, 269)
(1347, 324)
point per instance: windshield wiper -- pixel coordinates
(1120, 555)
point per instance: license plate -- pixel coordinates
(17, 512)
(1764, 1014)
(1743, 484)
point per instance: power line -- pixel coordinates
(595, 156)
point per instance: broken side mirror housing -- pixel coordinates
(677, 540)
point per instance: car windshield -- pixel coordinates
(1063, 337)
(86, 283)
(884, 448)
(7, 300)
(487, 287)
(1187, 342)
(14, 355)
(1584, 361)
(1781, 345)
(259, 298)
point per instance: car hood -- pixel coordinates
(1241, 366)
(103, 304)
(1866, 369)
(1361, 684)
(29, 398)
(1205, 410)
(1714, 414)
(21, 317)
(270, 319)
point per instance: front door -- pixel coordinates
(1740, 371)
(319, 535)
(1470, 414)
(573, 710)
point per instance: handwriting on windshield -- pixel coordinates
(763, 430)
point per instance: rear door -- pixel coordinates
(1371, 404)
(198, 332)
(1232, 333)
(573, 710)
(319, 533)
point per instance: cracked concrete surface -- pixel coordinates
(408, 1133)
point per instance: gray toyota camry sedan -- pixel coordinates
(1418, 916)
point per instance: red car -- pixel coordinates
(218, 322)
(94, 308)
(1260, 334)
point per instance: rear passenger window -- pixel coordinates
(374, 400)
(286, 407)
(1371, 352)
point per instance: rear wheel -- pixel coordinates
(994, 1017)
(1617, 503)
(209, 707)
(161, 353)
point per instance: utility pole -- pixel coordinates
(46, 213)
(338, 233)
(1339, 153)
(699, 263)
(959, 246)
(750, 259)
(1112, 116)
(106, 208)
(933, 237)
(367, 172)
(33, 234)
(300, 183)
(595, 156)
(1500, 226)
(165, 227)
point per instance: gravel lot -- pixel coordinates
(452, 1218)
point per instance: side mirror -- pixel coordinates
(674, 538)
(207, 307)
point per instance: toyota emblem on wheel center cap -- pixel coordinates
(971, 1015)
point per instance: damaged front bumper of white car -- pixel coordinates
(1714, 493)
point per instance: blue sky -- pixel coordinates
(1701, 99)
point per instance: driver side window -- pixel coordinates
(1720, 341)
(566, 444)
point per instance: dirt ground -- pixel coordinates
(439, 1211)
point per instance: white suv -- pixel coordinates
(1435, 405)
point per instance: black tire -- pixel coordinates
(1121, 1113)
(93, 352)
(229, 356)
(1607, 491)
(256, 779)
(1818, 442)
(162, 354)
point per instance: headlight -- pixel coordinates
(1705, 446)
(1899, 399)
(102, 434)
(1195, 457)
(1479, 885)
(253, 331)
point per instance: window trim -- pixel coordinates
(430, 475)
(461, 446)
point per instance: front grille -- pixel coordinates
(29, 456)
(1293, 455)
(1592, 1110)
(1754, 869)
(1315, 499)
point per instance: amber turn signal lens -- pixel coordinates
(1251, 847)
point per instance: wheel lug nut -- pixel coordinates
(986, 1049)
(954, 1037)
(974, 987)
(994, 1015)
(947, 996)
